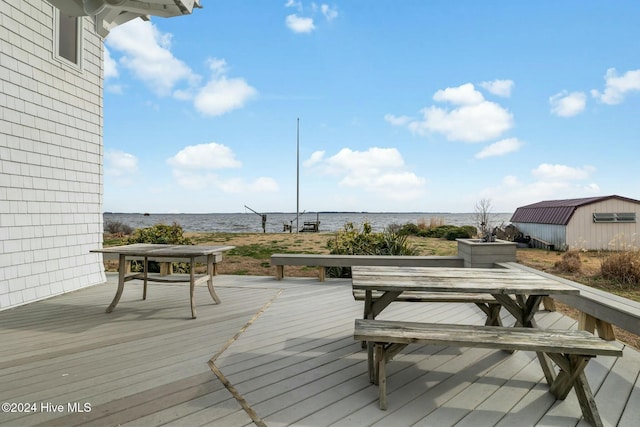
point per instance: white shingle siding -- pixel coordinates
(50, 158)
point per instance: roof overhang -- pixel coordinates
(108, 14)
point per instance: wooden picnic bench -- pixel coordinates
(570, 350)
(326, 260)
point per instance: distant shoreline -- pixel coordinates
(250, 222)
(305, 213)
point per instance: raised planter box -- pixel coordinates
(480, 254)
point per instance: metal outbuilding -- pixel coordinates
(593, 223)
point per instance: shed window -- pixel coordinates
(614, 217)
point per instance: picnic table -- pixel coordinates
(520, 292)
(162, 252)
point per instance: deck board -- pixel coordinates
(287, 348)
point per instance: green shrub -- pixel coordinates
(363, 241)
(457, 233)
(409, 229)
(160, 234)
(449, 232)
(471, 231)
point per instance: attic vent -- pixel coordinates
(614, 217)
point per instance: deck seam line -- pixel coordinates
(223, 379)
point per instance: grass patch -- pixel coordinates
(257, 251)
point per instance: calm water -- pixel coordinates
(251, 222)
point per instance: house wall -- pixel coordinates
(583, 233)
(51, 179)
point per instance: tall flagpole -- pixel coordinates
(298, 176)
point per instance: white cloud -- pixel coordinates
(500, 148)
(110, 66)
(222, 94)
(329, 13)
(316, 157)
(470, 123)
(499, 87)
(473, 119)
(381, 171)
(397, 120)
(121, 166)
(299, 24)
(295, 4)
(549, 172)
(461, 95)
(146, 52)
(548, 182)
(565, 104)
(204, 156)
(195, 166)
(617, 87)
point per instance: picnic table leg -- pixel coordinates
(211, 273)
(492, 310)
(572, 376)
(145, 266)
(192, 287)
(122, 271)
(523, 310)
(381, 375)
(367, 310)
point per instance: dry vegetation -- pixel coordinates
(253, 250)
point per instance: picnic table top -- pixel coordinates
(450, 279)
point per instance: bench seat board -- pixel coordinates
(530, 339)
(359, 295)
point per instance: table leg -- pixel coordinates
(192, 287)
(211, 273)
(381, 376)
(145, 266)
(523, 310)
(368, 303)
(122, 271)
(492, 310)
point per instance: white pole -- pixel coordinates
(298, 176)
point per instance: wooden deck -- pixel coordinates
(280, 353)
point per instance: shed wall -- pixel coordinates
(583, 233)
(551, 233)
(51, 179)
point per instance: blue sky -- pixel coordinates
(427, 106)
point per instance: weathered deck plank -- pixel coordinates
(296, 364)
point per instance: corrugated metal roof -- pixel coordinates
(557, 211)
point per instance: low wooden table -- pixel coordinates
(188, 253)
